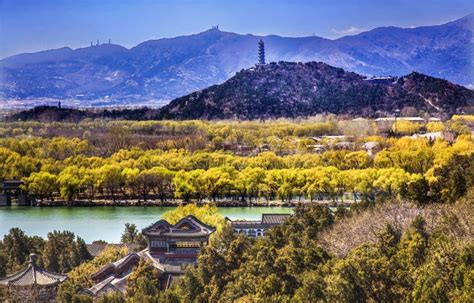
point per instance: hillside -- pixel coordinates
(156, 71)
(288, 89)
(55, 114)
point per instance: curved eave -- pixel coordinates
(38, 277)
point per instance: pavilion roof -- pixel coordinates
(33, 275)
(274, 218)
(119, 265)
(189, 226)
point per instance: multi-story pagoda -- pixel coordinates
(33, 284)
(261, 52)
(170, 248)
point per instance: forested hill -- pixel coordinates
(287, 89)
(56, 114)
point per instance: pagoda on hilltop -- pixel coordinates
(261, 52)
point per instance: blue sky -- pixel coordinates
(33, 25)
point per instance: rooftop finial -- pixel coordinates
(33, 258)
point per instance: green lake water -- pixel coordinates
(102, 223)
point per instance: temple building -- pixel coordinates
(257, 228)
(170, 249)
(33, 284)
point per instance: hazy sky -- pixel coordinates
(33, 25)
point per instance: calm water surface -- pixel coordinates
(102, 223)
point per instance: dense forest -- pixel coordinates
(259, 161)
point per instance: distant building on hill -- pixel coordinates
(261, 52)
(257, 228)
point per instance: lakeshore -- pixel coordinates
(103, 222)
(178, 202)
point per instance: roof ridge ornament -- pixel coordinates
(33, 258)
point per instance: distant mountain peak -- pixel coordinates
(156, 71)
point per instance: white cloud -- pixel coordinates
(348, 31)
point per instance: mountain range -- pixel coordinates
(156, 71)
(289, 89)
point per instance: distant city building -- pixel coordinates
(170, 249)
(257, 228)
(32, 284)
(261, 52)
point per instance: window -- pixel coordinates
(158, 243)
(188, 244)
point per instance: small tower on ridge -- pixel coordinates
(261, 52)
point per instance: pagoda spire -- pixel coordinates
(261, 52)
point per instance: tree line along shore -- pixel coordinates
(235, 163)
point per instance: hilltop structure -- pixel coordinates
(261, 52)
(33, 284)
(170, 249)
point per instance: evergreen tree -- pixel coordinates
(143, 285)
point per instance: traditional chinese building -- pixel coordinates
(11, 190)
(170, 249)
(177, 243)
(33, 284)
(257, 228)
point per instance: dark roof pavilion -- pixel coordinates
(33, 284)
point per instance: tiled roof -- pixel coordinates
(268, 220)
(114, 283)
(194, 227)
(118, 266)
(107, 285)
(274, 218)
(247, 224)
(31, 275)
(97, 288)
